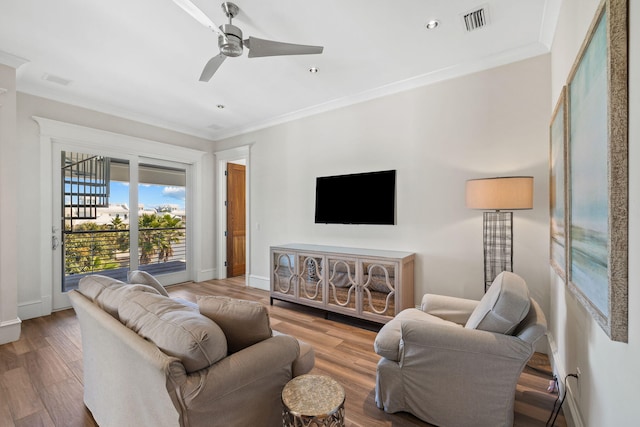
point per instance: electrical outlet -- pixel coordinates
(577, 388)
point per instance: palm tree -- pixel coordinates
(169, 236)
(147, 240)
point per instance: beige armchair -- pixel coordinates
(456, 362)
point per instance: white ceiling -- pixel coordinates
(141, 59)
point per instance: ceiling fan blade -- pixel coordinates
(211, 67)
(260, 47)
(198, 15)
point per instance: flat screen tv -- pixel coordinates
(362, 198)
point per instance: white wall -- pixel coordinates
(489, 123)
(9, 322)
(607, 392)
(28, 178)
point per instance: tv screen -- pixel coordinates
(363, 198)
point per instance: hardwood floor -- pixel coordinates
(41, 374)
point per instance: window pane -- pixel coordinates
(95, 216)
(162, 219)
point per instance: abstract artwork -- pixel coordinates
(597, 188)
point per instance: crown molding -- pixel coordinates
(116, 112)
(549, 23)
(499, 59)
(12, 61)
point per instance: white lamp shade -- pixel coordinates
(501, 193)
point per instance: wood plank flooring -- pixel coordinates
(41, 374)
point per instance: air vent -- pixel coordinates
(214, 126)
(55, 79)
(476, 19)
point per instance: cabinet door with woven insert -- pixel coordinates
(311, 278)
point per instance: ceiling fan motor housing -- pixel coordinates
(231, 45)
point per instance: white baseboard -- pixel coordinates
(208, 274)
(31, 309)
(10, 330)
(570, 407)
(259, 282)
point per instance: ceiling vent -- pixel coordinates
(476, 19)
(55, 79)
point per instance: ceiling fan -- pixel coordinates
(230, 40)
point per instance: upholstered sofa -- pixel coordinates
(150, 360)
(455, 362)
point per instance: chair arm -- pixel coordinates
(388, 342)
(441, 337)
(269, 358)
(449, 308)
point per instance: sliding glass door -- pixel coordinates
(117, 214)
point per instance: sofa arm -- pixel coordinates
(269, 360)
(449, 308)
(305, 361)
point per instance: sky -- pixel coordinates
(149, 195)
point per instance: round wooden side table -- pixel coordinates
(313, 401)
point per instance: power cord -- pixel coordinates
(555, 411)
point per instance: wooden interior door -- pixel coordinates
(236, 233)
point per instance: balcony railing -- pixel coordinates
(106, 252)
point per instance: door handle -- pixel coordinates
(55, 242)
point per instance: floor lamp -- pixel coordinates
(499, 194)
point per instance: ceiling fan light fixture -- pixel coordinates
(231, 45)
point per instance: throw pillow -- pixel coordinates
(503, 307)
(177, 330)
(144, 278)
(91, 286)
(244, 323)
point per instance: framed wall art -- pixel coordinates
(597, 171)
(557, 185)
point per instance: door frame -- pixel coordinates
(56, 133)
(222, 158)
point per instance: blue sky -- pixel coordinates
(148, 195)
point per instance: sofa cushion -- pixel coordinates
(244, 322)
(177, 330)
(144, 278)
(503, 307)
(108, 293)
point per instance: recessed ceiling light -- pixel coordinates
(433, 24)
(220, 106)
(313, 70)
